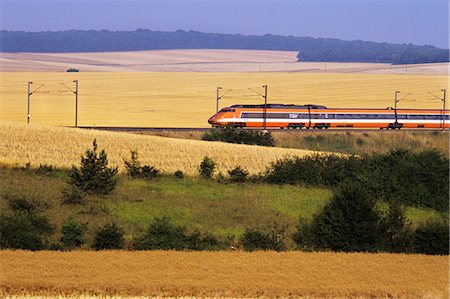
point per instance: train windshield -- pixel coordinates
(227, 110)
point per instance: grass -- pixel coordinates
(62, 147)
(224, 210)
(223, 274)
(188, 99)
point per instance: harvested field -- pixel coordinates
(189, 99)
(227, 274)
(62, 147)
(199, 60)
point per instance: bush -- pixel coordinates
(24, 230)
(179, 174)
(348, 222)
(238, 175)
(135, 170)
(72, 70)
(133, 166)
(432, 238)
(21, 204)
(233, 135)
(94, 175)
(207, 167)
(400, 176)
(162, 234)
(72, 195)
(396, 236)
(109, 236)
(73, 233)
(258, 240)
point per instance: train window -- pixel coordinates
(227, 110)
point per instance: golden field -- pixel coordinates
(62, 147)
(185, 99)
(226, 274)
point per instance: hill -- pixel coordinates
(62, 147)
(199, 60)
(310, 49)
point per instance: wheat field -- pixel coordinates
(187, 99)
(225, 274)
(62, 147)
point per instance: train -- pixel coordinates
(289, 116)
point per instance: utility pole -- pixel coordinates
(395, 105)
(444, 100)
(217, 98)
(443, 109)
(265, 107)
(28, 106)
(76, 103)
(29, 93)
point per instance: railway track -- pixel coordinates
(160, 129)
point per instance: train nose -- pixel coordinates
(212, 120)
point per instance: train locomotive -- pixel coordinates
(282, 116)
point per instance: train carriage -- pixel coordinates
(273, 116)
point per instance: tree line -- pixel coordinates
(310, 49)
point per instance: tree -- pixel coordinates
(349, 222)
(207, 167)
(109, 236)
(72, 234)
(94, 175)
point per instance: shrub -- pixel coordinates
(399, 176)
(396, 236)
(162, 234)
(133, 166)
(179, 174)
(94, 175)
(238, 175)
(73, 233)
(135, 170)
(432, 238)
(233, 135)
(21, 204)
(72, 70)
(109, 236)
(149, 172)
(348, 222)
(26, 227)
(258, 240)
(72, 195)
(207, 167)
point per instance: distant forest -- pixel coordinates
(310, 49)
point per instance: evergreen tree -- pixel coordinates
(349, 222)
(94, 175)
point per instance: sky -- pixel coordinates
(421, 22)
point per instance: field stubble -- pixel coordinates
(228, 274)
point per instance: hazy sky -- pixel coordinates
(419, 22)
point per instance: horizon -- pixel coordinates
(419, 22)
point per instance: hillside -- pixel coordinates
(310, 49)
(199, 60)
(62, 147)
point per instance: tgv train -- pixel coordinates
(273, 116)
